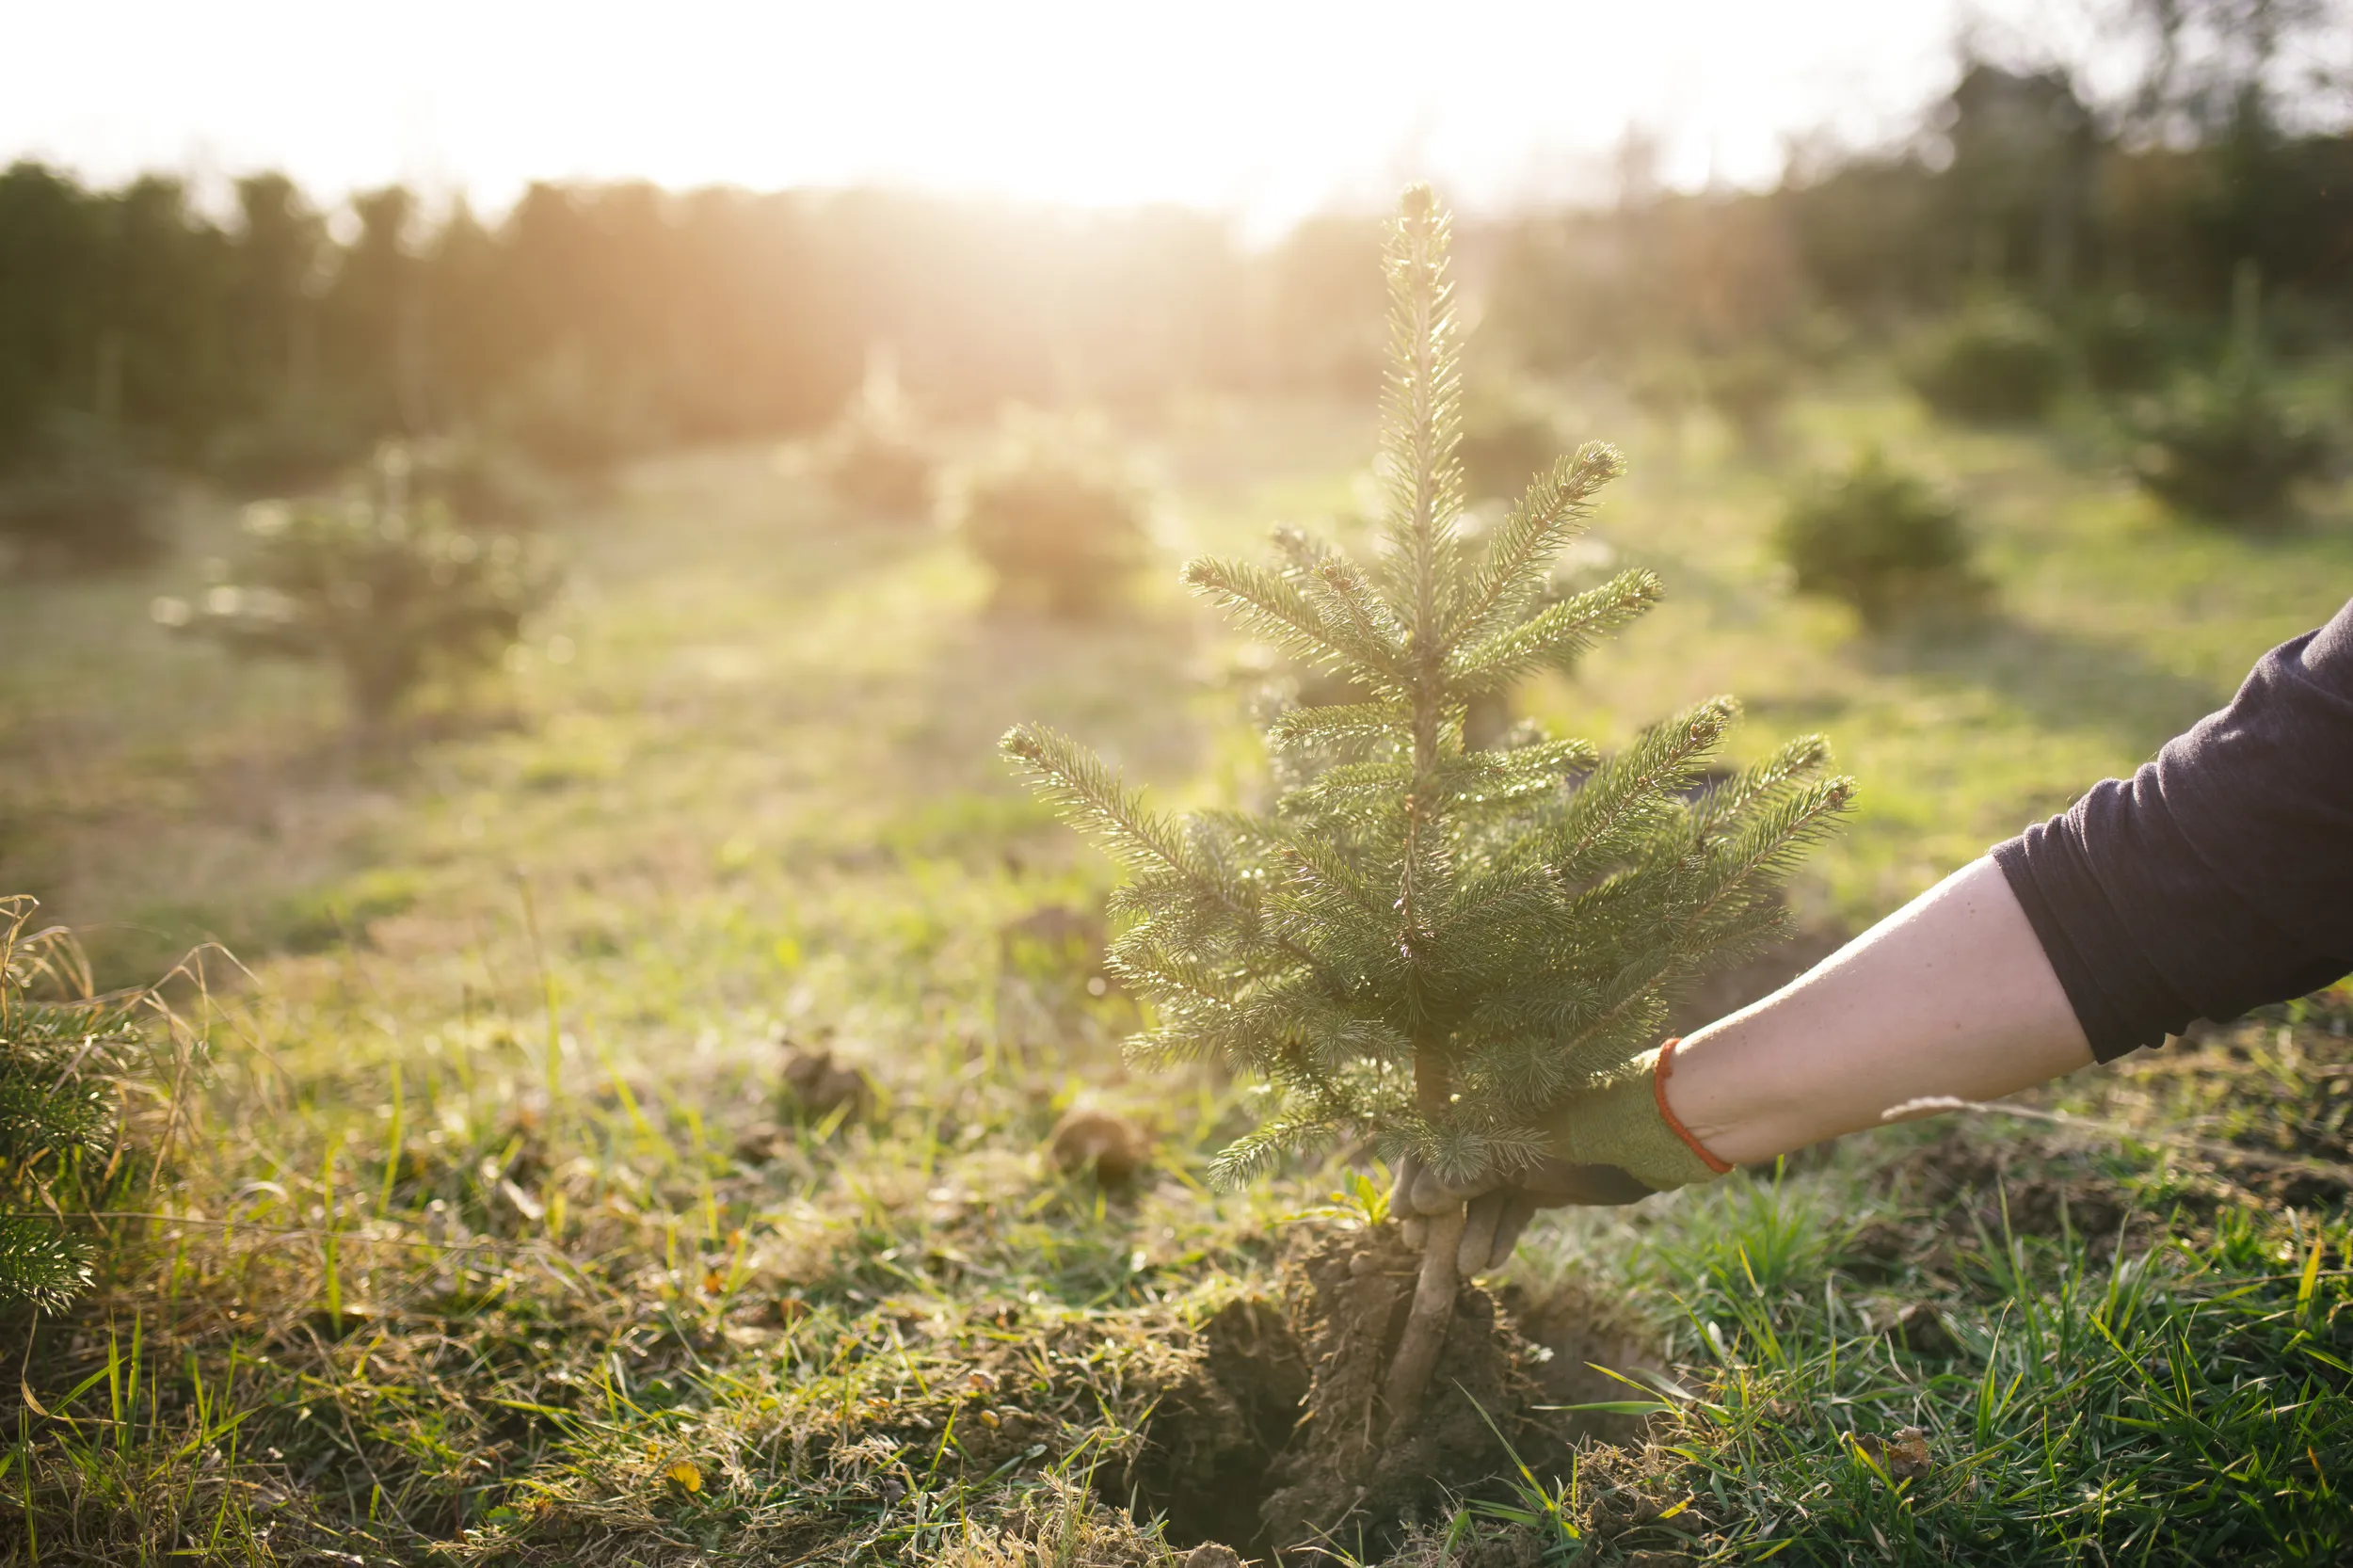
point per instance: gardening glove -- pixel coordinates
(1616, 1143)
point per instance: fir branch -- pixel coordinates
(1794, 763)
(1336, 587)
(1771, 846)
(1141, 959)
(1628, 786)
(1301, 549)
(1500, 900)
(1768, 847)
(1092, 797)
(1317, 865)
(1552, 1006)
(1336, 1037)
(1274, 608)
(1422, 406)
(1556, 636)
(1551, 513)
(1338, 723)
(1254, 1154)
(39, 1264)
(1350, 780)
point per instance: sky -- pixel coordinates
(1265, 110)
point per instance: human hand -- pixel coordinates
(1616, 1143)
(1498, 1209)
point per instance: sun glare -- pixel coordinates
(1266, 110)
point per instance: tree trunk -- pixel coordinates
(1417, 1349)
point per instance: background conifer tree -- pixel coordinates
(1424, 943)
(388, 592)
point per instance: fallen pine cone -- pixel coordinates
(1113, 1146)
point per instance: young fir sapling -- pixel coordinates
(389, 592)
(1425, 944)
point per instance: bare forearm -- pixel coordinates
(1949, 996)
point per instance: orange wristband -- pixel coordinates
(1659, 1088)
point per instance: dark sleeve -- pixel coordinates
(2220, 876)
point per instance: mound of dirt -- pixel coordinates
(1276, 1440)
(1342, 1478)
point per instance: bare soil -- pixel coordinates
(1275, 1442)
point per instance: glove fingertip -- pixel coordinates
(1516, 1215)
(1481, 1216)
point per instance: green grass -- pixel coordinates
(492, 1218)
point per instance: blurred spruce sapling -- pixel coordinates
(389, 593)
(875, 458)
(59, 1060)
(2228, 448)
(1996, 362)
(481, 484)
(1423, 944)
(1055, 511)
(1879, 539)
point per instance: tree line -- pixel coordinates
(592, 321)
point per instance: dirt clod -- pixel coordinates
(1876, 1251)
(1211, 1554)
(2022, 1185)
(763, 1145)
(1114, 1148)
(1904, 1457)
(1920, 1329)
(819, 1086)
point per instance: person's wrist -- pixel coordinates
(1662, 1073)
(1627, 1123)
